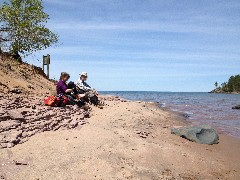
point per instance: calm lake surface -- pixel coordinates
(213, 109)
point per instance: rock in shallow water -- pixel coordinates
(236, 107)
(202, 134)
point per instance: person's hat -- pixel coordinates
(84, 74)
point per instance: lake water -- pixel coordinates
(213, 109)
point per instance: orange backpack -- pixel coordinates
(52, 101)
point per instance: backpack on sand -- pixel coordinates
(58, 101)
(52, 101)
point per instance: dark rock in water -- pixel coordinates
(187, 115)
(236, 107)
(202, 134)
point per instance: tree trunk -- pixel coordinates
(16, 56)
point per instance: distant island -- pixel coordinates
(230, 87)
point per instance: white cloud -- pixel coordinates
(143, 26)
(142, 53)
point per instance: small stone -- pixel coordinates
(73, 124)
(22, 162)
(143, 136)
(30, 87)
(138, 132)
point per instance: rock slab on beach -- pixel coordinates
(16, 115)
(23, 116)
(202, 134)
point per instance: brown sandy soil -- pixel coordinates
(125, 140)
(25, 77)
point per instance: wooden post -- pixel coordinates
(48, 62)
(43, 64)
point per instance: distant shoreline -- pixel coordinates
(220, 91)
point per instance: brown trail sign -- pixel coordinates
(46, 61)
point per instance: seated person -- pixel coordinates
(63, 90)
(83, 87)
(61, 85)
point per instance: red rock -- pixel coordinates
(42, 118)
(6, 145)
(16, 115)
(86, 114)
(2, 111)
(11, 124)
(81, 117)
(4, 117)
(24, 134)
(73, 124)
(11, 136)
(82, 122)
(31, 133)
(3, 145)
(47, 114)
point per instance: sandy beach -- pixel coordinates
(124, 140)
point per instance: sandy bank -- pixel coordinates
(124, 140)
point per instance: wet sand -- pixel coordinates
(124, 140)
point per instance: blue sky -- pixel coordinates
(150, 45)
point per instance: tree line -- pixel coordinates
(232, 85)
